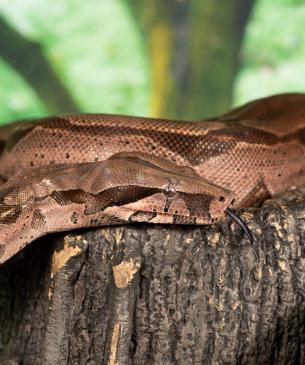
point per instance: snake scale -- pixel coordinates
(74, 171)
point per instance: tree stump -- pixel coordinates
(148, 294)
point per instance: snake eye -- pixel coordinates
(169, 191)
(221, 198)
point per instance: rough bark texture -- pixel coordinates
(146, 294)
(193, 48)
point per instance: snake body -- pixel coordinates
(86, 170)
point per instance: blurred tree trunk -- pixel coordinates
(194, 49)
(28, 59)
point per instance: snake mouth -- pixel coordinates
(240, 222)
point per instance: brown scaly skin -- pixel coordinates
(125, 188)
(250, 153)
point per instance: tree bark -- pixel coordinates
(29, 60)
(193, 48)
(145, 294)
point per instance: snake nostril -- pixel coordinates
(222, 199)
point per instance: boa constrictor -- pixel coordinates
(87, 170)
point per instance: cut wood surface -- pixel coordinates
(149, 294)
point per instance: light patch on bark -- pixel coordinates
(119, 235)
(189, 240)
(60, 258)
(116, 335)
(124, 273)
(258, 273)
(283, 265)
(215, 239)
(278, 228)
(236, 305)
(248, 216)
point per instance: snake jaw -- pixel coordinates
(241, 223)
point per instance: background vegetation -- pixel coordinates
(181, 60)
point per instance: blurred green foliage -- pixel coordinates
(274, 51)
(97, 51)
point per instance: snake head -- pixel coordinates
(168, 193)
(181, 205)
(186, 198)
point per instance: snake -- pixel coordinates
(89, 170)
